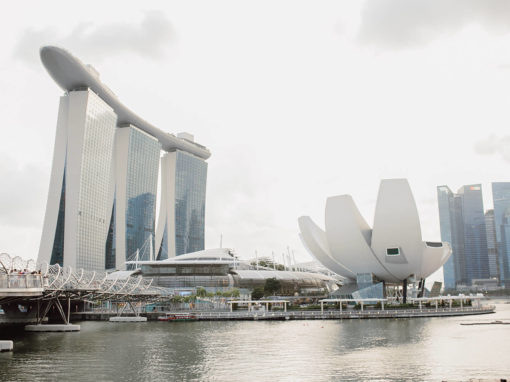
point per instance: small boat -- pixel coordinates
(178, 317)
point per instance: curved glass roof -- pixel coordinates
(281, 275)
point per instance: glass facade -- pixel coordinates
(475, 235)
(458, 239)
(364, 280)
(90, 232)
(96, 170)
(110, 243)
(491, 244)
(163, 249)
(501, 197)
(371, 291)
(57, 253)
(141, 190)
(462, 222)
(446, 212)
(190, 187)
(504, 262)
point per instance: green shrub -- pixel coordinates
(257, 293)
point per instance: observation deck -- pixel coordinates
(21, 285)
(72, 74)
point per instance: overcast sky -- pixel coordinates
(297, 101)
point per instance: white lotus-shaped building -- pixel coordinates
(393, 251)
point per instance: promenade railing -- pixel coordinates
(345, 314)
(20, 281)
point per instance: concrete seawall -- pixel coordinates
(302, 315)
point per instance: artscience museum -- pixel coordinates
(391, 254)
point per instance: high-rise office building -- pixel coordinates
(504, 254)
(491, 244)
(475, 233)
(462, 223)
(103, 188)
(445, 202)
(452, 269)
(182, 213)
(501, 197)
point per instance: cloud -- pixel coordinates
(148, 38)
(494, 146)
(22, 194)
(400, 24)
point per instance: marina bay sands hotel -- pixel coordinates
(101, 206)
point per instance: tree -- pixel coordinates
(257, 293)
(267, 263)
(272, 286)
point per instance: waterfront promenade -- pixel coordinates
(37, 292)
(245, 315)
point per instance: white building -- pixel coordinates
(393, 251)
(102, 200)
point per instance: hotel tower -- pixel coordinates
(101, 207)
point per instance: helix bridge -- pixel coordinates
(43, 286)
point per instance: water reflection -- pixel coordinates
(429, 349)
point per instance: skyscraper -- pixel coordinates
(501, 197)
(491, 244)
(182, 213)
(79, 201)
(445, 202)
(475, 233)
(462, 223)
(504, 254)
(136, 184)
(103, 188)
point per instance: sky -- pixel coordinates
(297, 101)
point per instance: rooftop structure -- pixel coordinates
(71, 74)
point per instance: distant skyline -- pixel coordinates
(297, 101)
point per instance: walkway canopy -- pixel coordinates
(250, 303)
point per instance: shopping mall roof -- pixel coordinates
(280, 275)
(208, 256)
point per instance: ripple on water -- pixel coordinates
(429, 349)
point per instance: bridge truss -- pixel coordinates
(64, 284)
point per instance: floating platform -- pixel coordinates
(128, 319)
(6, 346)
(53, 328)
(486, 323)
